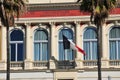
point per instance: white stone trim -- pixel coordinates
(61, 19)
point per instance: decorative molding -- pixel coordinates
(77, 22)
(116, 22)
(62, 19)
(52, 23)
(53, 6)
(27, 24)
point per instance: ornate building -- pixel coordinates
(36, 45)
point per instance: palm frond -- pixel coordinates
(99, 9)
(11, 9)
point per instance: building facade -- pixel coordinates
(36, 44)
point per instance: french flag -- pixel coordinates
(69, 44)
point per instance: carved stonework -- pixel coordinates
(2, 65)
(104, 63)
(77, 22)
(52, 64)
(79, 63)
(28, 64)
(52, 23)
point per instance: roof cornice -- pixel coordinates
(56, 6)
(53, 6)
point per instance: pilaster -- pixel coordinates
(105, 48)
(52, 25)
(52, 46)
(28, 52)
(79, 41)
(0, 42)
(3, 49)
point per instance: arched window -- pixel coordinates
(114, 43)
(41, 45)
(16, 45)
(90, 44)
(68, 53)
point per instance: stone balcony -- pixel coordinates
(77, 64)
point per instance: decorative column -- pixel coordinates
(3, 49)
(52, 46)
(28, 47)
(79, 42)
(105, 48)
(0, 42)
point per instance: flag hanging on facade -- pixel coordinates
(69, 44)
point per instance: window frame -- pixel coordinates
(65, 52)
(116, 40)
(40, 42)
(16, 43)
(90, 41)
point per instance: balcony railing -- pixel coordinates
(59, 64)
(17, 65)
(90, 63)
(66, 64)
(114, 62)
(35, 65)
(40, 64)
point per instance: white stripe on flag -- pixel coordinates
(72, 45)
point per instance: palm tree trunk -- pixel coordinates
(99, 50)
(8, 54)
(6, 24)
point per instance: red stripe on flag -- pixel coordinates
(80, 50)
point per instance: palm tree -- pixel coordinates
(8, 10)
(99, 10)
